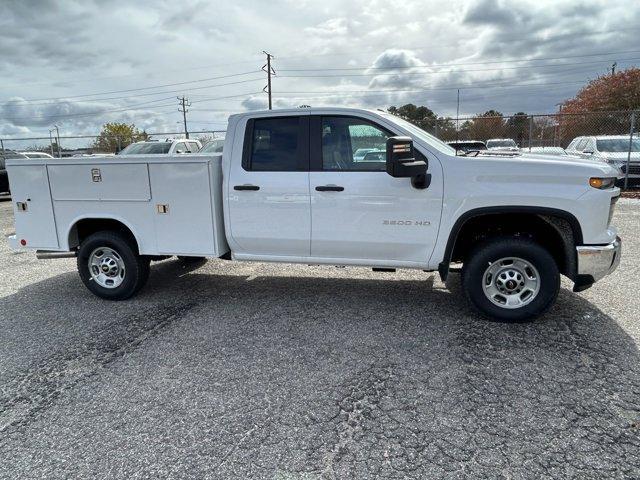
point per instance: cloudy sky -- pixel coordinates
(79, 64)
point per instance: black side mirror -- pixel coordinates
(402, 162)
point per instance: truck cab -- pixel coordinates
(293, 186)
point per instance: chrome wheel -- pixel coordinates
(511, 282)
(106, 267)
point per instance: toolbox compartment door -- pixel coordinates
(32, 207)
(182, 208)
(100, 181)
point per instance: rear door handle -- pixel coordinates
(329, 188)
(246, 187)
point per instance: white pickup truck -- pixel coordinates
(289, 188)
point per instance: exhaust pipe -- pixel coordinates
(47, 255)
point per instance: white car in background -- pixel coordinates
(502, 145)
(613, 149)
(546, 151)
(213, 146)
(36, 155)
(170, 146)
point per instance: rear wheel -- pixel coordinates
(511, 279)
(110, 266)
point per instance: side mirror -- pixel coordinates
(402, 163)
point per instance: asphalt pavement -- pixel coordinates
(243, 370)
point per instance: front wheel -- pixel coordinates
(511, 279)
(110, 266)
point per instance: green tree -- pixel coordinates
(115, 136)
(489, 124)
(517, 127)
(422, 116)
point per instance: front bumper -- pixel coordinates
(596, 262)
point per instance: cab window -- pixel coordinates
(276, 144)
(353, 144)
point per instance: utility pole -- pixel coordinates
(58, 140)
(613, 68)
(458, 117)
(270, 71)
(184, 103)
(51, 141)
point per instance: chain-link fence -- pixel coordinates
(77, 145)
(607, 136)
(529, 131)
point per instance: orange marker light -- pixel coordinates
(596, 182)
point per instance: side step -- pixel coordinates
(47, 255)
(383, 269)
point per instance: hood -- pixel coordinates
(621, 156)
(559, 163)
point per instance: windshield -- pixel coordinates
(214, 146)
(617, 145)
(422, 135)
(146, 148)
(500, 143)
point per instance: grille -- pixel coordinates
(634, 169)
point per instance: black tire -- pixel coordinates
(136, 267)
(486, 254)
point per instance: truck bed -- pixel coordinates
(171, 204)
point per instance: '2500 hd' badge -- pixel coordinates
(423, 223)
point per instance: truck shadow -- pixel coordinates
(425, 334)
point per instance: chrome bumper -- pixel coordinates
(598, 261)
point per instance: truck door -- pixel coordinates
(358, 211)
(268, 192)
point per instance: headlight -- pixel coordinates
(602, 183)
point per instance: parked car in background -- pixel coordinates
(36, 155)
(547, 150)
(213, 146)
(502, 145)
(4, 178)
(468, 145)
(613, 149)
(169, 146)
(360, 153)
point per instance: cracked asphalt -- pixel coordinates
(238, 370)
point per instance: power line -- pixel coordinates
(343, 53)
(131, 107)
(375, 74)
(188, 90)
(447, 65)
(136, 89)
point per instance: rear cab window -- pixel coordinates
(276, 144)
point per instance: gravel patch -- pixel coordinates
(247, 370)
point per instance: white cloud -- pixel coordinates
(68, 48)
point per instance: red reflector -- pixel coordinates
(23, 242)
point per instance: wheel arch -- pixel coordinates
(555, 220)
(84, 226)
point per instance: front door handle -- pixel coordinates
(246, 187)
(329, 188)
